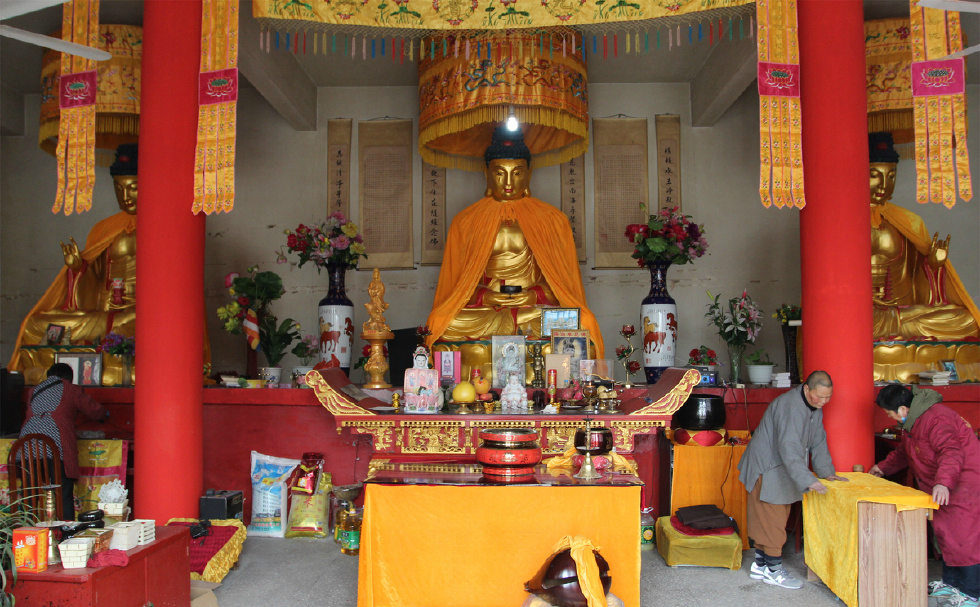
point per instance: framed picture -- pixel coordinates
(565, 319)
(573, 343)
(86, 367)
(54, 334)
(950, 365)
(509, 357)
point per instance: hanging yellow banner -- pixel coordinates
(471, 14)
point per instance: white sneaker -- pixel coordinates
(756, 572)
(782, 578)
(940, 588)
(958, 599)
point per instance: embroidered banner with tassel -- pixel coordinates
(76, 91)
(780, 120)
(938, 87)
(214, 163)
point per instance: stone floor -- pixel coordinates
(296, 572)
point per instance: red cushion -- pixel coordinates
(705, 438)
(681, 527)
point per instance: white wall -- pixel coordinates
(281, 181)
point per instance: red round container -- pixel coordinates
(508, 454)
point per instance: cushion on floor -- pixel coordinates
(676, 548)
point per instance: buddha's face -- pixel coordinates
(508, 178)
(126, 192)
(882, 181)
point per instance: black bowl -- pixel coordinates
(701, 412)
(510, 289)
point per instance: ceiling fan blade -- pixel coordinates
(952, 5)
(15, 8)
(55, 43)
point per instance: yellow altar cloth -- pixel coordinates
(709, 475)
(475, 546)
(830, 526)
(100, 461)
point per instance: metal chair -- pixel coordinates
(38, 465)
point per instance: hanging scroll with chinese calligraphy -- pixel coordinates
(669, 160)
(385, 201)
(621, 186)
(338, 165)
(573, 201)
(433, 214)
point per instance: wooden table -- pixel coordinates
(158, 574)
(866, 540)
(436, 534)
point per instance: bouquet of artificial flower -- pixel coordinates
(334, 241)
(668, 236)
(256, 292)
(702, 356)
(307, 349)
(787, 312)
(740, 324)
(119, 345)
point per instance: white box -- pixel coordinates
(125, 536)
(76, 551)
(114, 509)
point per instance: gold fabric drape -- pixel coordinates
(888, 55)
(938, 92)
(470, 84)
(214, 161)
(117, 95)
(76, 93)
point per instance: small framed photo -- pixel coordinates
(565, 319)
(950, 365)
(54, 334)
(573, 343)
(87, 367)
(509, 358)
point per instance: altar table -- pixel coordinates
(866, 540)
(437, 535)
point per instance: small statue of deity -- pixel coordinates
(513, 396)
(377, 306)
(537, 366)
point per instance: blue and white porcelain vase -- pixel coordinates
(336, 321)
(659, 316)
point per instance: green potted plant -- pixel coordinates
(760, 367)
(248, 314)
(306, 350)
(739, 326)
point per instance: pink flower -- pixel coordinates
(340, 242)
(230, 279)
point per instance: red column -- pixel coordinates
(835, 233)
(169, 269)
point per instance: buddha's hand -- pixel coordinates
(938, 251)
(73, 258)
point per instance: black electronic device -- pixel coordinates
(220, 505)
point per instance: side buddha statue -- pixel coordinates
(95, 292)
(917, 295)
(507, 256)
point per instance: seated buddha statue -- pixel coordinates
(507, 256)
(917, 294)
(95, 292)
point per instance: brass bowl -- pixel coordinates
(348, 493)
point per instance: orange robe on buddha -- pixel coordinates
(470, 243)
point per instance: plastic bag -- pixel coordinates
(308, 514)
(269, 495)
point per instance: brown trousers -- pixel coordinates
(766, 522)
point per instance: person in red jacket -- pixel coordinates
(944, 455)
(55, 403)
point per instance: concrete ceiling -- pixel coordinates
(290, 81)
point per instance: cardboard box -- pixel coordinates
(202, 594)
(31, 549)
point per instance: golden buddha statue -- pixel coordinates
(507, 256)
(95, 292)
(917, 294)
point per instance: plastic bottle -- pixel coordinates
(339, 519)
(646, 529)
(350, 535)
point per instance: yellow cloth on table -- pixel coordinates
(476, 546)
(620, 463)
(830, 526)
(703, 550)
(224, 559)
(709, 475)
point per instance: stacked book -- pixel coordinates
(147, 532)
(780, 380)
(934, 378)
